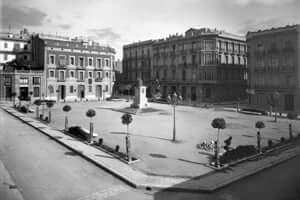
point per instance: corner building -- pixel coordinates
(274, 63)
(74, 69)
(204, 65)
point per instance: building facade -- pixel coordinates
(12, 45)
(274, 68)
(204, 65)
(25, 84)
(72, 69)
(137, 64)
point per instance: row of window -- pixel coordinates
(80, 74)
(72, 90)
(206, 59)
(62, 61)
(25, 80)
(204, 75)
(230, 46)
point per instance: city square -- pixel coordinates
(151, 133)
(149, 100)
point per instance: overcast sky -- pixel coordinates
(119, 22)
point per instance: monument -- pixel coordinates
(140, 100)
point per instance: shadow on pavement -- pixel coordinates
(71, 153)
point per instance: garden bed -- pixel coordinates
(251, 153)
(115, 153)
(103, 147)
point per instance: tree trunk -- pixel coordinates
(290, 130)
(66, 123)
(128, 145)
(91, 132)
(37, 112)
(174, 124)
(275, 116)
(218, 150)
(258, 142)
(49, 116)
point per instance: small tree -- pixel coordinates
(126, 120)
(91, 113)
(49, 104)
(37, 111)
(259, 125)
(66, 109)
(218, 123)
(13, 95)
(291, 116)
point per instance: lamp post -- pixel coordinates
(174, 100)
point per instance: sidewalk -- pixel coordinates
(205, 182)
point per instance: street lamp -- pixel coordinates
(174, 100)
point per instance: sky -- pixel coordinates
(119, 22)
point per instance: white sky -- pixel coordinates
(119, 22)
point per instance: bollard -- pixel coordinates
(117, 148)
(100, 141)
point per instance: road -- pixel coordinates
(42, 169)
(281, 182)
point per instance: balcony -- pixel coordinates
(98, 79)
(61, 80)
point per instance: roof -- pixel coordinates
(273, 30)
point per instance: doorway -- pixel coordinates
(99, 91)
(23, 93)
(81, 91)
(62, 92)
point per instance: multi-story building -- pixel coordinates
(137, 63)
(11, 46)
(24, 83)
(74, 69)
(274, 68)
(204, 65)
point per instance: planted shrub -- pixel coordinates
(270, 143)
(24, 109)
(238, 153)
(117, 148)
(46, 119)
(100, 141)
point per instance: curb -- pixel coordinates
(142, 182)
(123, 178)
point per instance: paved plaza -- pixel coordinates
(152, 133)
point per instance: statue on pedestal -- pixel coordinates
(140, 100)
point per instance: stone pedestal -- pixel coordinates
(140, 100)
